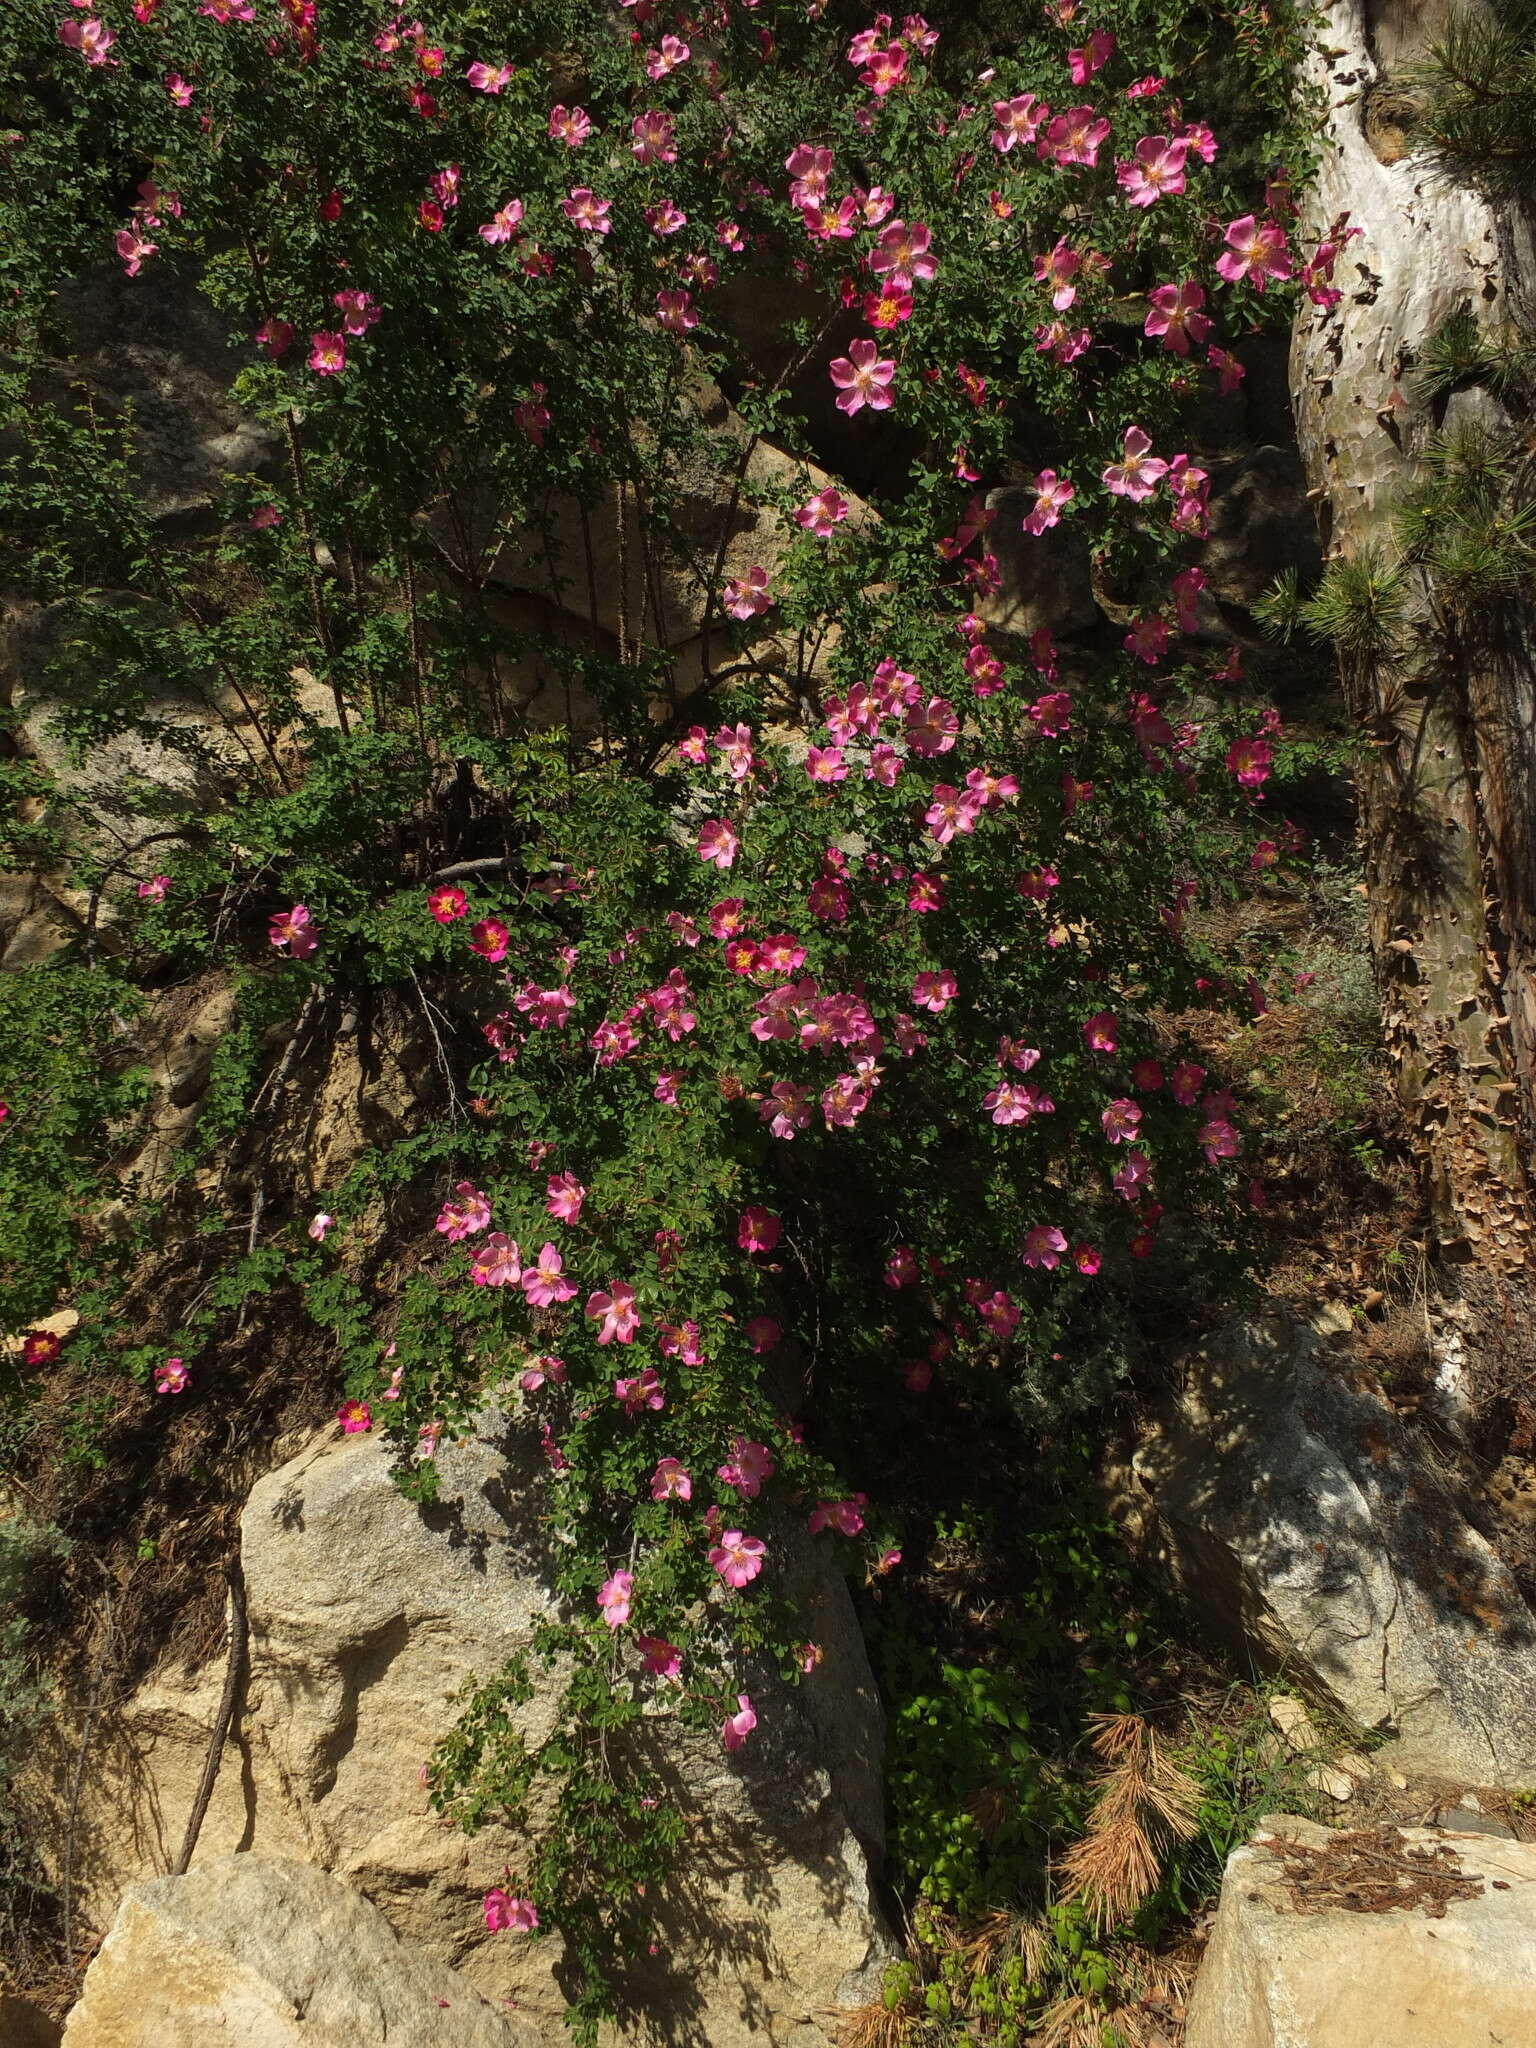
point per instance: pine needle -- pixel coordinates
(1143, 1803)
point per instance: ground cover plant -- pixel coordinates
(801, 950)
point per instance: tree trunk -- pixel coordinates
(1448, 790)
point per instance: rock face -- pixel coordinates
(367, 1616)
(155, 343)
(271, 1955)
(1289, 1507)
(1290, 1966)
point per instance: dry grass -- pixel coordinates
(1150, 2017)
(1143, 1802)
(877, 2025)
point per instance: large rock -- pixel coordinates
(1394, 1938)
(171, 752)
(367, 1617)
(245, 1953)
(1290, 1507)
(155, 344)
(1046, 580)
(641, 581)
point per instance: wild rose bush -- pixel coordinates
(805, 1008)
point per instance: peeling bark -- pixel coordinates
(1448, 791)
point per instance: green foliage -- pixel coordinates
(1360, 606)
(904, 1000)
(1477, 94)
(73, 1092)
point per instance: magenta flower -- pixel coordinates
(932, 727)
(1253, 252)
(1218, 1139)
(951, 811)
(934, 990)
(845, 1516)
(355, 1417)
(658, 1657)
(171, 1377)
(614, 1597)
(1016, 121)
(490, 939)
(809, 168)
(566, 1195)
(504, 223)
(672, 53)
(747, 1467)
(738, 1559)
(1101, 1032)
(718, 844)
(1121, 1120)
(1015, 1102)
(825, 764)
(863, 377)
(447, 903)
(506, 1914)
(498, 1262)
(467, 1212)
(1176, 316)
(665, 1089)
(665, 219)
(295, 930)
(819, 514)
(358, 311)
(748, 596)
(1156, 168)
(318, 1225)
(885, 70)
(736, 1727)
(1053, 494)
(586, 211)
(671, 1481)
(92, 38)
(1044, 1246)
(1075, 137)
(1061, 343)
(133, 249)
(758, 1230)
(903, 255)
(651, 141)
(178, 90)
(1132, 1176)
(674, 311)
(1000, 1313)
(1092, 57)
(1058, 269)
(1229, 371)
(543, 1368)
(735, 743)
(275, 338)
(616, 1308)
(545, 1283)
(153, 891)
(327, 353)
(1187, 586)
(570, 125)
(1147, 640)
(1250, 761)
(1138, 473)
(489, 77)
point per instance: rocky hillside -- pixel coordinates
(768, 1062)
